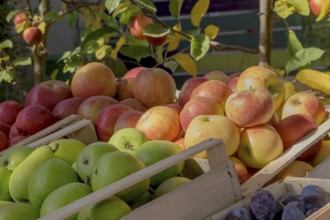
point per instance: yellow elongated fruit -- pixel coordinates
(315, 79)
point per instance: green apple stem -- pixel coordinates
(88, 180)
(56, 146)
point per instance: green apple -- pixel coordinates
(88, 156)
(63, 196)
(170, 184)
(191, 169)
(47, 177)
(20, 177)
(128, 139)
(14, 156)
(3, 203)
(112, 208)
(67, 148)
(114, 166)
(4, 183)
(154, 151)
(140, 201)
(18, 210)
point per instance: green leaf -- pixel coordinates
(6, 44)
(186, 62)
(111, 5)
(22, 61)
(198, 12)
(12, 14)
(52, 15)
(175, 7)
(301, 6)
(199, 46)
(147, 4)
(121, 8)
(72, 18)
(171, 64)
(211, 31)
(159, 54)
(294, 45)
(121, 41)
(7, 76)
(95, 35)
(102, 51)
(283, 9)
(136, 52)
(303, 57)
(131, 11)
(173, 42)
(155, 30)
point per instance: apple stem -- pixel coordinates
(55, 147)
(88, 180)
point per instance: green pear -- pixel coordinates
(88, 156)
(14, 156)
(114, 166)
(4, 184)
(154, 151)
(112, 208)
(170, 184)
(191, 169)
(47, 177)
(145, 198)
(63, 196)
(18, 210)
(20, 177)
(67, 148)
(128, 139)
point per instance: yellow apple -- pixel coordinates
(297, 168)
(262, 77)
(203, 127)
(305, 103)
(259, 145)
(322, 154)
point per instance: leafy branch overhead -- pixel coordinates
(300, 57)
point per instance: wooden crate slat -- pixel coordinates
(134, 178)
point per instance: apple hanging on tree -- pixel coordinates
(32, 35)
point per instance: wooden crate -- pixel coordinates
(289, 184)
(205, 195)
(70, 127)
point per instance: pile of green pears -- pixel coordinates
(37, 181)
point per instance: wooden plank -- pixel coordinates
(274, 167)
(322, 214)
(134, 178)
(321, 171)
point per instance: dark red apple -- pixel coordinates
(156, 41)
(17, 139)
(106, 120)
(188, 86)
(9, 110)
(4, 142)
(20, 18)
(5, 128)
(14, 131)
(32, 35)
(48, 93)
(134, 104)
(127, 119)
(67, 107)
(125, 89)
(34, 118)
(91, 107)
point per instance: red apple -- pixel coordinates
(160, 123)
(274, 120)
(48, 94)
(34, 118)
(127, 119)
(199, 105)
(106, 120)
(5, 128)
(32, 35)
(20, 18)
(67, 107)
(214, 89)
(4, 142)
(125, 89)
(156, 41)
(17, 139)
(216, 75)
(241, 170)
(154, 86)
(232, 83)
(91, 107)
(137, 24)
(311, 152)
(294, 127)
(94, 79)
(250, 108)
(316, 5)
(176, 106)
(132, 73)
(188, 86)
(180, 141)
(14, 131)
(305, 103)
(134, 104)
(9, 110)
